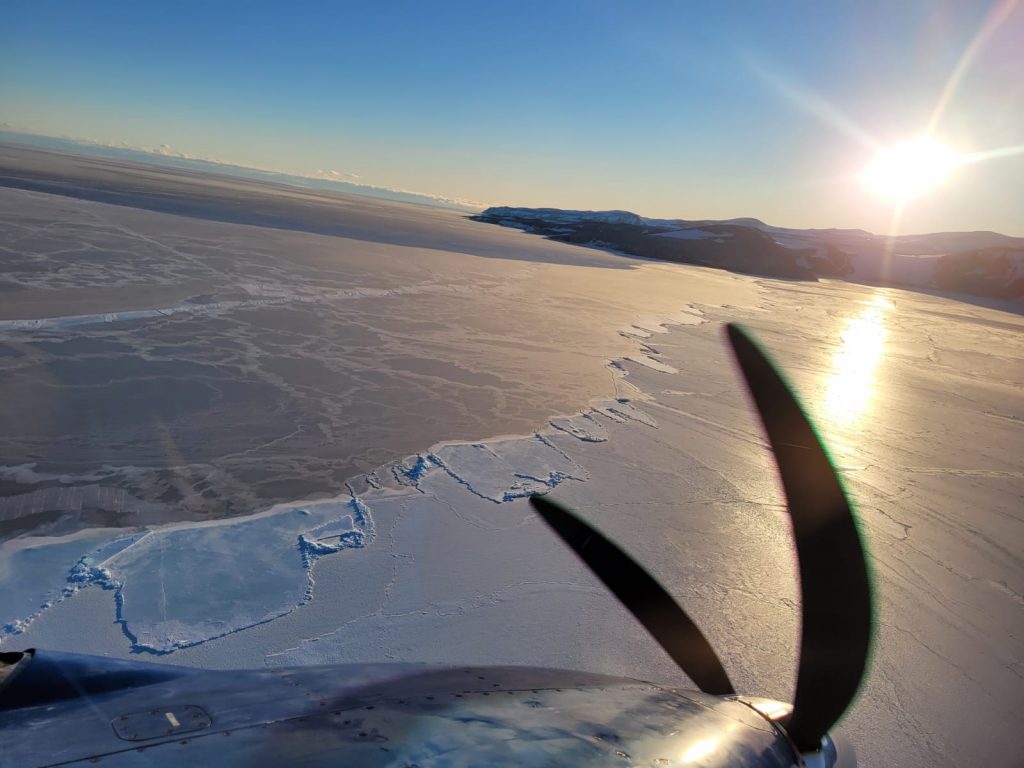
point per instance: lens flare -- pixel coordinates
(905, 171)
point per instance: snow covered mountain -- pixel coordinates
(978, 263)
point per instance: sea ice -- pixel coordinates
(36, 573)
(248, 572)
(184, 584)
(650, 362)
(622, 411)
(502, 470)
(583, 426)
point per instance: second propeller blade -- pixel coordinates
(644, 597)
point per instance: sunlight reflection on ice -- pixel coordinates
(851, 383)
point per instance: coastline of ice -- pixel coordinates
(258, 568)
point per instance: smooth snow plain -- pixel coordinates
(437, 557)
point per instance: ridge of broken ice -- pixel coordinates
(503, 470)
(582, 426)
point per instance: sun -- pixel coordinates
(905, 171)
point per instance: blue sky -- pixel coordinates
(669, 109)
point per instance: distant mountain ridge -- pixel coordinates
(979, 263)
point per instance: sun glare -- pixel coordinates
(851, 384)
(905, 171)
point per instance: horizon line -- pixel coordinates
(397, 194)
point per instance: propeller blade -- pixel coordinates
(644, 597)
(836, 629)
